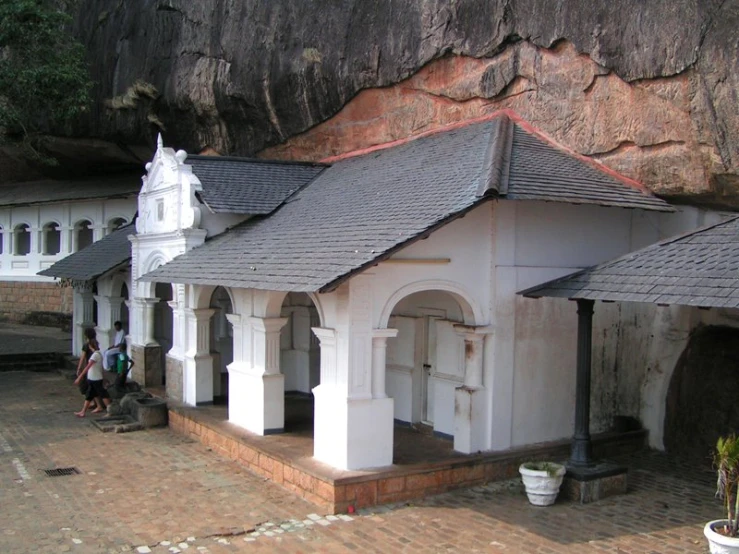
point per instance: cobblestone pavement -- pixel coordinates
(153, 491)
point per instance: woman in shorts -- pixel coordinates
(94, 373)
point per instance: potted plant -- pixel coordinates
(542, 481)
(723, 534)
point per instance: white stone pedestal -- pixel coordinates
(469, 419)
(352, 433)
(256, 401)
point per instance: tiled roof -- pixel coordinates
(364, 208)
(540, 171)
(700, 268)
(95, 260)
(249, 186)
(44, 192)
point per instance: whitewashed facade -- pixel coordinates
(35, 237)
(435, 334)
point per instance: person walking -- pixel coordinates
(83, 361)
(94, 373)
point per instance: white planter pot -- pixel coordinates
(718, 543)
(541, 487)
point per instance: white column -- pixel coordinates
(178, 329)
(67, 240)
(198, 366)
(379, 354)
(149, 306)
(98, 232)
(470, 403)
(35, 240)
(82, 314)
(256, 388)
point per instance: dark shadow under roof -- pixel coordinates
(700, 268)
(92, 188)
(100, 257)
(249, 186)
(362, 209)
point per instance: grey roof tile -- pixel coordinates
(249, 186)
(46, 191)
(364, 208)
(95, 260)
(672, 272)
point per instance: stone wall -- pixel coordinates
(173, 373)
(18, 299)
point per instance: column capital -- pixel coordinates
(473, 332)
(325, 335)
(268, 324)
(234, 319)
(82, 287)
(199, 314)
(384, 333)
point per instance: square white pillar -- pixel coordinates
(198, 366)
(256, 388)
(470, 400)
(351, 431)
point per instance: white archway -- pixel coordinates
(470, 309)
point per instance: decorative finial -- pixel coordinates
(160, 141)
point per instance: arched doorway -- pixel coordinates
(299, 359)
(221, 343)
(163, 321)
(425, 362)
(701, 400)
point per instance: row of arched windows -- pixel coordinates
(51, 237)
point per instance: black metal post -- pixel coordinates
(581, 452)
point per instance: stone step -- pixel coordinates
(31, 362)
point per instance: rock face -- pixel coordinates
(648, 88)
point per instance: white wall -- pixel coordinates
(535, 344)
(15, 267)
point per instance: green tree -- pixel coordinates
(44, 80)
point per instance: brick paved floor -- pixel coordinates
(155, 491)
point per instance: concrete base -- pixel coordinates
(585, 485)
(469, 419)
(256, 402)
(352, 433)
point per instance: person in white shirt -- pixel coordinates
(94, 373)
(112, 353)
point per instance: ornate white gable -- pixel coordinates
(167, 202)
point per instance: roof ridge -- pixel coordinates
(595, 164)
(436, 131)
(253, 160)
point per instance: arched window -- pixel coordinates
(83, 234)
(116, 223)
(52, 238)
(22, 240)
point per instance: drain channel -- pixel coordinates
(61, 471)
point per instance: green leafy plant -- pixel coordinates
(549, 467)
(726, 461)
(44, 80)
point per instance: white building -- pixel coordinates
(383, 284)
(42, 222)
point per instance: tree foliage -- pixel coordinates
(44, 80)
